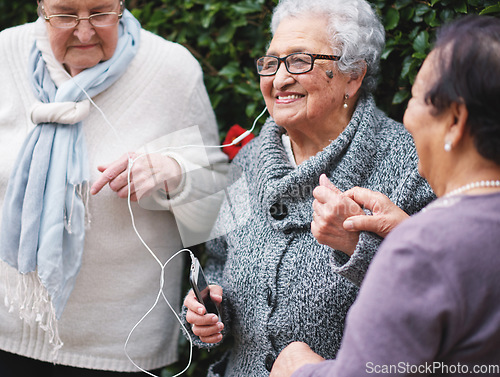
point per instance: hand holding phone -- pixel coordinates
(201, 288)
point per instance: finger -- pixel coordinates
(216, 293)
(315, 230)
(208, 319)
(146, 177)
(316, 204)
(329, 205)
(207, 331)
(124, 188)
(364, 197)
(110, 173)
(124, 195)
(324, 194)
(382, 225)
(212, 339)
(193, 304)
(379, 225)
(315, 217)
(320, 211)
(362, 223)
(325, 182)
(101, 168)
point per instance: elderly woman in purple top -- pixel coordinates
(430, 302)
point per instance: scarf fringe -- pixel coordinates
(26, 293)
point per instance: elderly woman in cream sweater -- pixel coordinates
(74, 275)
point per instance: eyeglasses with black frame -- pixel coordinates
(296, 63)
(69, 21)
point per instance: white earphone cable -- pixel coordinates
(162, 265)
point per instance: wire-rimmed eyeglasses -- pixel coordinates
(296, 63)
(69, 21)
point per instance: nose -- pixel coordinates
(282, 77)
(84, 31)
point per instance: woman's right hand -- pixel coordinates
(385, 214)
(204, 325)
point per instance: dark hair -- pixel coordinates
(468, 62)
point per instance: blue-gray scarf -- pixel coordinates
(44, 214)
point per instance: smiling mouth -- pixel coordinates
(293, 96)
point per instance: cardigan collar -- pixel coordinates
(349, 156)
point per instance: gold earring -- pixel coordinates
(346, 97)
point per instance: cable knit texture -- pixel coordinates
(280, 285)
(157, 101)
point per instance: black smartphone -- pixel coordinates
(200, 287)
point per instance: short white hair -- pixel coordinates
(354, 30)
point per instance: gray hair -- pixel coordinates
(355, 31)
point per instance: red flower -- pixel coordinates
(235, 131)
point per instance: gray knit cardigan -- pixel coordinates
(280, 285)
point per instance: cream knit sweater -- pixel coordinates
(157, 99)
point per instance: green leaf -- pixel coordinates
(246, 8)
(251, 109)
(407, 13)
(204, 39)
(226, 34)
(231, 70)
(137, 13)
(406, 66)
(461, 7)
(391, 19)
(419, 55)
(413, 34)
(400, 4)
(245, 89)
(431, 19)
(447, 15)
(206, 20)
(400, 97)
(491, 9)
(239, 22)
(386, 53)
(421, 10)
(421, 42)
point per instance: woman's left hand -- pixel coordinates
(331, 209)
(150, 172)
(294, 356)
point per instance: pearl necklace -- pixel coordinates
(473, 185)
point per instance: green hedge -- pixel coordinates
(227, 35)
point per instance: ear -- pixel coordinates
(457, 129)
(355, 81)
(40, 8)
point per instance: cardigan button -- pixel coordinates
(278, 211)
(269, 362)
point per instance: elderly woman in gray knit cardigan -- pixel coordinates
(275, 281)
